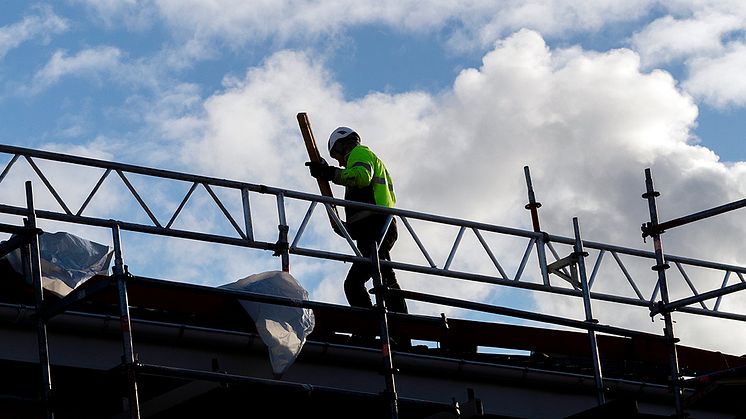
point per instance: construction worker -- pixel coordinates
(365, 179)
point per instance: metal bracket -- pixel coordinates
(650, 230)
(570, 261)
(282, 244)
(656, 308)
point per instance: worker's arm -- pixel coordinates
(358, 175)
(359, 170)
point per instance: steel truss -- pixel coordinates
(570, 269)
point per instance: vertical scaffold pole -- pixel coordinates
(283, 249)
(34, 260)
(128, 357)
(580, 255)
(388, 363)
(534, 206)
(660, 267)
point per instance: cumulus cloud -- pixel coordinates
(689, 32)
(587, 124)
(692, 33)
(707, 38)
(249, 127)
(719, 81)
(667, 38)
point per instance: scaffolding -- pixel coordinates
(571, 271)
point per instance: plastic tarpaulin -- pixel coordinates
(67, 261)
(283, 329)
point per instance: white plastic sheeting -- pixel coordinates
(67, 261)
(283, 329)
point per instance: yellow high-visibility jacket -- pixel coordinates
(365, 179)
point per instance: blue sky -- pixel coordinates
(364, 57)
(456, 97)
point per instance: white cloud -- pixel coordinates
(246, 22)
(707, 38)
(491, 21)
(102, 65)
(98, 148)
(176, 112)
(201, 29)
(249, 126)
(587, 123)
(667, 38)
(86, 63)
(720, 80)
(72, 183)
(691, 33)
(134, 14)
(42, 25)
(238, 23)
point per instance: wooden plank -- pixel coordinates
(313, 153)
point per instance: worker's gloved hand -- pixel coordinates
(321, 170)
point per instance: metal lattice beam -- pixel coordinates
(537, 241)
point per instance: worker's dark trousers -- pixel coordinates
(360, 273)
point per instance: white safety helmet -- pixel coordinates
(338, 134)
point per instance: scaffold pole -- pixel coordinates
(380, 294)
(580, 254)
(534, 206)
(34, 260)
(660, 267)
(128, 357)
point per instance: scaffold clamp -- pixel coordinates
(282, 244)
(650, 230)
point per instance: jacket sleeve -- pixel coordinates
(358, 173)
